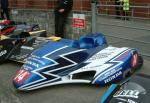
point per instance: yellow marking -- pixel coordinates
(34, 32)
(54, 38)
(2, 37)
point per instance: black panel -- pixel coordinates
(87, 75)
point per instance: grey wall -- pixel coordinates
(45, 19)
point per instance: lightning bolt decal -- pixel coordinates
(54, 71)
(110, 65)
(70, 61)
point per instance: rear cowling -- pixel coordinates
(128, 63)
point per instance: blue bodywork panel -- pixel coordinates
(87, 60)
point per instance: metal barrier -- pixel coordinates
(132, 11)
(109, 25)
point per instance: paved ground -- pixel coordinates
(69, 93)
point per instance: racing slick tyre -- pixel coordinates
(140, 64)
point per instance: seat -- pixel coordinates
(89, 41)
(86, 43)
(75, 44)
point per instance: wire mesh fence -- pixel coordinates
(139, 10)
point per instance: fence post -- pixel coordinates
(93, 10)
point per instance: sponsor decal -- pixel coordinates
(126, 100)
(131, 101)
(109, 73)
(113, 77)
(35, 56)
(100, 56)
(134, 60)
(108, 65)
(46, 74)
(37, 60)
(26, 67)
(21, 75)
(18, 57)
(122, 56)
(127, 93)
(32, 63)
(3, 52)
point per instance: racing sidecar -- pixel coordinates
(7, 26)
(87, 60)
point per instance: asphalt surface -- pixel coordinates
(69, 93)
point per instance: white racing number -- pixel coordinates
(21, 75)
(134, 60)
(127, 93)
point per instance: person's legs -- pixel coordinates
(57, 16)
(61, 26)
(118, 9)
(125, 14)
(127, 18)
(7, 13)
(60, 21)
